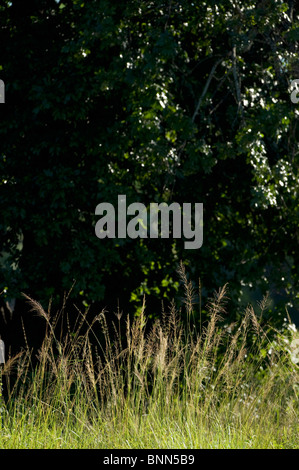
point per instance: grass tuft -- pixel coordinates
(174, 385)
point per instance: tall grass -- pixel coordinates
(170, 386)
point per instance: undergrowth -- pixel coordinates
(174, 385)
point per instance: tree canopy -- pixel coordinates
(172, 101)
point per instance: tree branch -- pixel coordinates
(205, 88)
(236, 79)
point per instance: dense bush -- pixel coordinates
(181, 101)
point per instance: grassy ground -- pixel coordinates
(172, 387)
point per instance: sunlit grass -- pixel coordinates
(169, 387)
